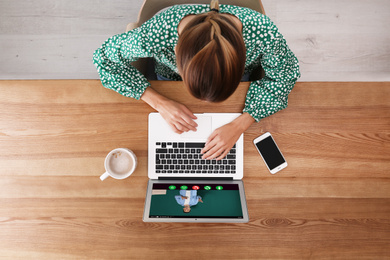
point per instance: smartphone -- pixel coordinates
(270, 153)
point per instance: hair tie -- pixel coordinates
(215, 10)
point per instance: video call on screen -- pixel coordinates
(205, 201)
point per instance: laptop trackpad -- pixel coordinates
(203, 131)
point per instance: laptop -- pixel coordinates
(184, 188)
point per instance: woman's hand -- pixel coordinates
(223, 139)
(178, 116)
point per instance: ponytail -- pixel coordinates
(214, 5)
(210, 56)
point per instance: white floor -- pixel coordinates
(334, 40)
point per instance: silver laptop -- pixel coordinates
(185, 188)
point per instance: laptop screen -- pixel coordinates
(175, 200)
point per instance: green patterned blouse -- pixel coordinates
(158, 37)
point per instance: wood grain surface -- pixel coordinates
(331, 202)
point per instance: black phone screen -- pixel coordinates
(270, 152)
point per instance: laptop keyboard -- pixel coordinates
(186, 158)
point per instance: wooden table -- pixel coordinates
(331, 202)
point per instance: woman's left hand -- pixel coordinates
(223, 139)
(220, 142)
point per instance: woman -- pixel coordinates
(210, 48)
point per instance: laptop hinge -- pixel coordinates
(197, 178)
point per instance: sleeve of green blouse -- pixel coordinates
(269, 95)
(113, 60)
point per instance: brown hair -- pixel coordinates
(210, 56)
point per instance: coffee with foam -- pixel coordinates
(120, 163)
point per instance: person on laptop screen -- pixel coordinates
(211, 48)
(187, 199)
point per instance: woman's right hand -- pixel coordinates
(177, 115)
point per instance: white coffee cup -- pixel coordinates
(120, 163)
